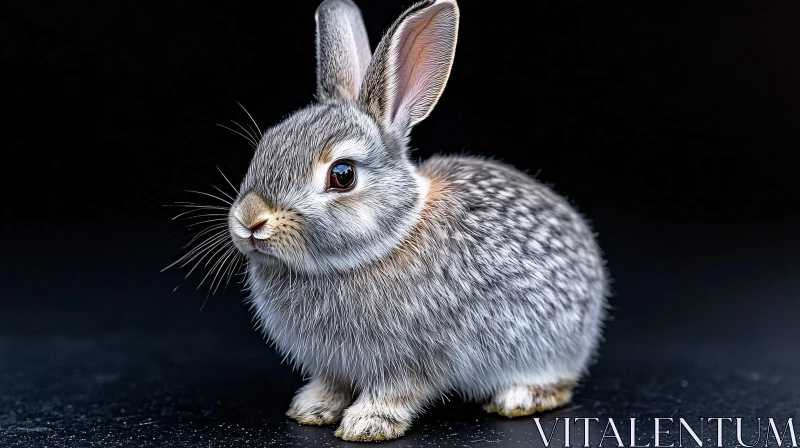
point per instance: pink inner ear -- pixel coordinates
(423, 48)
(360, 50)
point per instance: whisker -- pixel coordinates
(197, 232)
(204, 215)
(243, 271)
(224, 193)
(254, 145)
(197, 210)
(212, 240)
(208, 207)
(224, 257)
(210, 245)
(254, 132)
(215, 265)
(248, 132)
(220, 249)
(218, 223)
(212, 250)
(217, 227)
(226, 179)
(187, 203)
(219, 231)
(226, 272)
(193, 253)
(206, 221)
(251, 117)
(230, 253)
(185, 213)
(233, 268)
(208, 194)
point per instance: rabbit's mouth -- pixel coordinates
(260, 250)
(252, 247)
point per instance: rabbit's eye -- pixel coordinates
(342, 177)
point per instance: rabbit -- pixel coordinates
(390, 283)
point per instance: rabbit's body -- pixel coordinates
(391, 284)
(498, 283)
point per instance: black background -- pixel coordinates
(673, 126)
(671, 110)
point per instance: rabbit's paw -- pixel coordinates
(320, 402)
(371, 422)
(519, 401)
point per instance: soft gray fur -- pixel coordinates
(342, 50)
(461, 275)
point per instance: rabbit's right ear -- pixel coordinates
(411, 65)
(343, 51)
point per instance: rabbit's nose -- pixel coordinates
(256, 224)
(253, 216)
(261, 228)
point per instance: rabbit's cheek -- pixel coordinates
(354, 214)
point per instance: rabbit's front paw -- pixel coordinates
(372, 422)
(519, 401)
(320, 402)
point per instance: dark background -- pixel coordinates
(670, 110)
(673, 126)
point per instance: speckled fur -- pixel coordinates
(461, 275)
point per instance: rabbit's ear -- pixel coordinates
(411, 65)
(342, 50)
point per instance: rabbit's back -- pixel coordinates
(500, 280)
(537, 280)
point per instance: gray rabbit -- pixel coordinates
(390, 284)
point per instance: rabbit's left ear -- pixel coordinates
(343, 52)
(411, 65)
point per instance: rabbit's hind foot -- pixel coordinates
(521, 400)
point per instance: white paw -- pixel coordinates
(519, 401)
(319, 403)
(370, 423)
